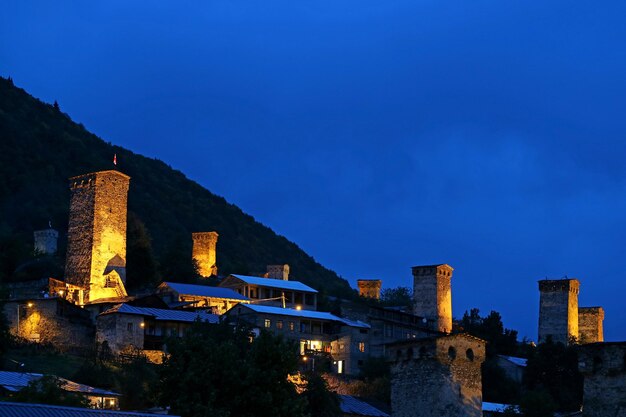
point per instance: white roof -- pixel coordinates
(163, 315)
(205, 291)
(496, 407)
(275, 283)
(307, 314)
(517, 361)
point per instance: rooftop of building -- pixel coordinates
(15, 381)
(162, 314)
(274, 283)
(8, 409)
(515, 360)
(354, 406)
(307, 314)
(204, 291)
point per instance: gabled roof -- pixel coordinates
(204, 291)
(43, 410)
(15, 381)
(274, 283)
(353, 405)
(163, 315)
(306, 314)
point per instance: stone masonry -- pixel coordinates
(437, 377)
(204, 252)
(278, 272)
(603, 366)
(96, 252)
(369, 288)
(432, 295)
(558, 310)
(46, 241)
(590, 329)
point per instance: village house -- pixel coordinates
(126, 328)
(216, 299)
(271, 291)
(317, 334)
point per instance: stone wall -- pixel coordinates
(204, 252)
(437, 377)
(278, 272)
(120, 331)
(603, 366)
(558, 310)
(96, 254)
(590, 328)
(50, 320)
(432, 295)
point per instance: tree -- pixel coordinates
(222, 370)
(399, 296)
(49, 390)
(553, 368)
(321, 401)
(141, 265)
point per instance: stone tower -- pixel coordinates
(590, 329)
(432, 295)
(46, 241)
(558, 310)
(369, 288)
(96, 246)
(278, 272)
(204, 252)
(603, 366)
(437, 376)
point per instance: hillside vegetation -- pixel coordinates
(40, 147)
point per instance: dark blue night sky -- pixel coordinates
(378, 135)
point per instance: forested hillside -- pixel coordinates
(40, 147)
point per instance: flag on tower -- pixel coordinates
(115, 159)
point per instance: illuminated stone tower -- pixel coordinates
(432, 295)
(437, 376)
(96, 247)
(204, 252)
(558, 310)
(590, 329)
(369, 288)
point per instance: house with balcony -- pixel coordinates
(271, 291)
(218, 300)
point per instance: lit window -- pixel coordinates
(268, 323)
(292, 326)
(279, 324)
(361, 346)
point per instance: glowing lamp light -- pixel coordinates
(142, 324)
(298, 307)
(61, 293)
(29, 304)
(304, 358)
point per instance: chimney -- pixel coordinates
(278, 272)
(369, 288)
(46, 241)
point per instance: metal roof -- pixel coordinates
(44, 410)
(499, 408)
(163, 315)
(275, 283)
(205, 291)
(307, 314)
(517, 361)
(353, 405)
(15, 381)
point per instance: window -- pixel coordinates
(268, 323)
(361, 346)
(129, 327)
(292, 326)
(279, 324)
